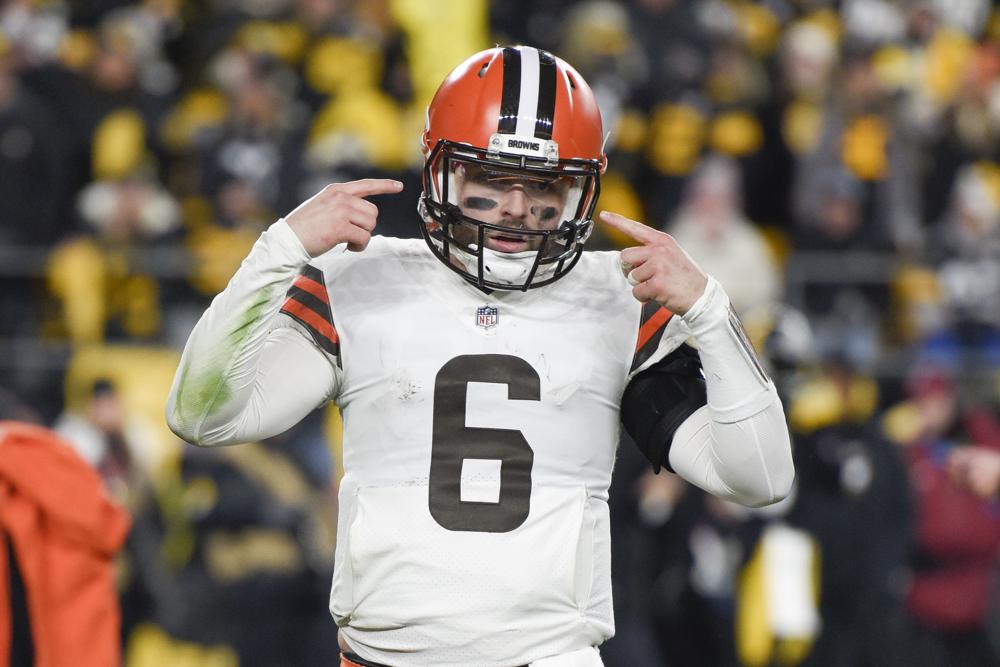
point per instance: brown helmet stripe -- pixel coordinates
(546, 111)
(511, 94)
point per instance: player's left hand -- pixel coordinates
(658, 268)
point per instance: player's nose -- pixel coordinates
(515, 205)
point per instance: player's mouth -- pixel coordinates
(507, 242)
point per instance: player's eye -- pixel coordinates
(479, 203)
(495, 184)
(476, 176)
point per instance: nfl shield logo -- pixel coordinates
(487, 316)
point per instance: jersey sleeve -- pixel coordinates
(733, 441)
(737, 446)
(737, 384)
(247, 372)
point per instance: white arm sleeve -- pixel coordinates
(737, 446)
(242, 375)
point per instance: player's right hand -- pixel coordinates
(658, 268)
(339, 213)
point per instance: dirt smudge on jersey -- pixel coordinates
(203, 391)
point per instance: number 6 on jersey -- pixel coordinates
(453, 442)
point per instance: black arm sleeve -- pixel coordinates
(659, 399)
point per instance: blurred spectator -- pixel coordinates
(102, 281)
(967, 254)
(60, 532)
(808, 59)
(712, 228)
(33, 155)
(135, 209)
(121, 450)
(254, 575)
(597, 36)
(824, 572)
(649, 562)
(958, 533)
(857, 188)
(251, 153)
(111, 443)
(107, 89)
(675, 45)
(854, 499)
(976, 469)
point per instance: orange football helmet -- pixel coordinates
(511, 119)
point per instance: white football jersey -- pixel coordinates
(480, 432)
(479, 439)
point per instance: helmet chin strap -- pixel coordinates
(507, 268)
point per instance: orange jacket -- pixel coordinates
(64, 531)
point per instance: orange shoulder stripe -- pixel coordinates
(307, 284)
(312, 318)
(651, 326)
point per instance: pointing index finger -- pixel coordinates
(636, 230)
(366, 187)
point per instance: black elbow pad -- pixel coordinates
(658, 400)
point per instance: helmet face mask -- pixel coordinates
(469, 226)
(501, 207)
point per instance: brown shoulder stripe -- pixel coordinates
(312, 287)
(308, 303)
(652, 322)
(311, 272)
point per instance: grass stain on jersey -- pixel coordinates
(204, 393)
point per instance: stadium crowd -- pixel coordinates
(836, 165)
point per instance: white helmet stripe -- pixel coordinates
(528, 100)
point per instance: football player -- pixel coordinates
(482, 374)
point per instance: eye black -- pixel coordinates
(479, 203)
(548, 213)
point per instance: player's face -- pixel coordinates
(512, 200)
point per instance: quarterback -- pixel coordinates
(483, 374)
